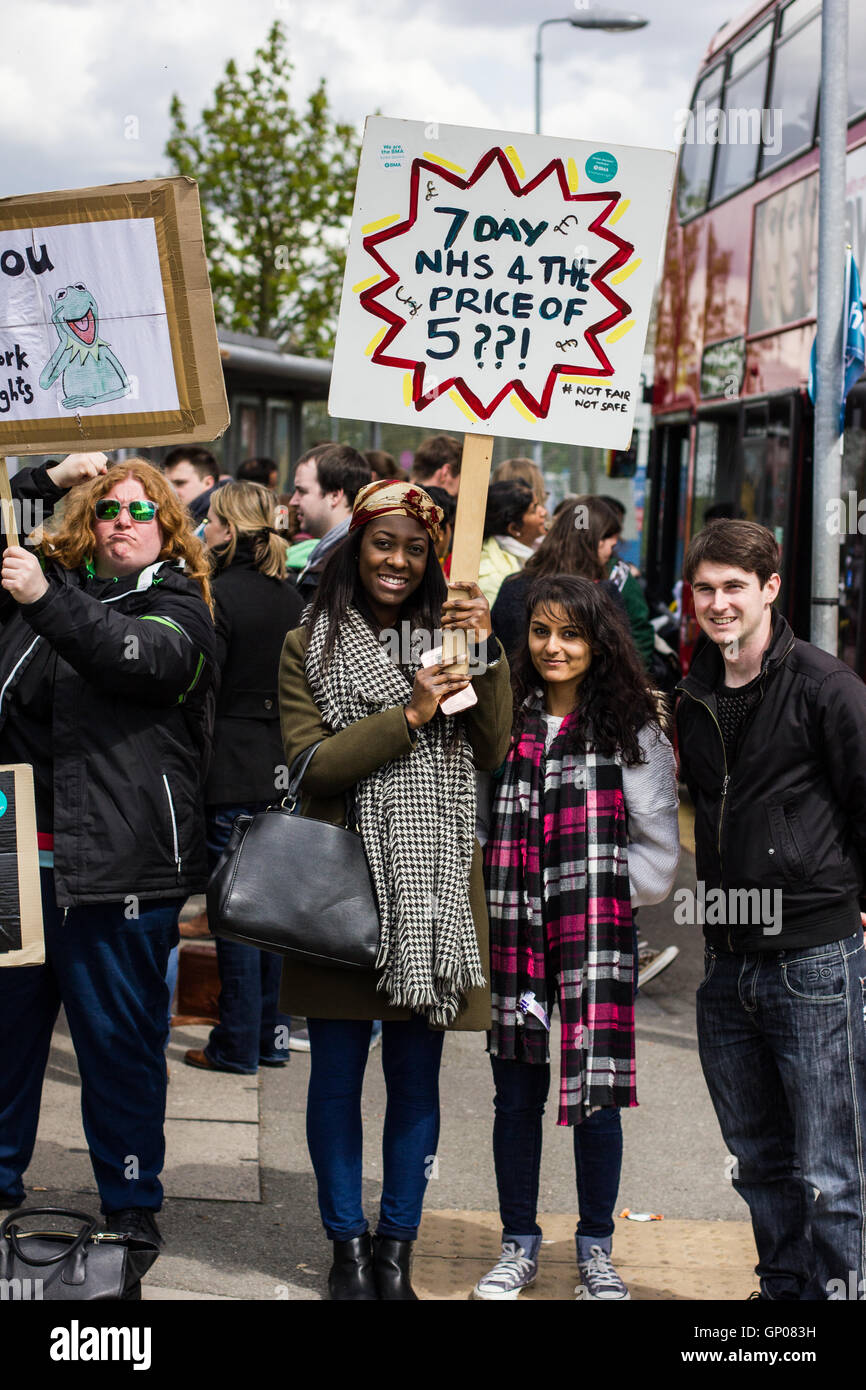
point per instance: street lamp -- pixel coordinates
(612, 21)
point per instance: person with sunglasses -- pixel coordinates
(106, 663)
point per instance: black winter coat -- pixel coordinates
(790, 814)
(129, 724)
(253, 614)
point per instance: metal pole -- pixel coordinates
(537, 452)
(827, 475)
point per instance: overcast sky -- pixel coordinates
(72, 72)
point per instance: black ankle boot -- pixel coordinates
(351, 1277)
(391, 1268)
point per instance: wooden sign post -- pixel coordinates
(7, 506)
(468, 533)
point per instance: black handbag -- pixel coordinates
(296, 886)
(70, 1266)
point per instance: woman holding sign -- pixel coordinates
(584, 828)
(374, 713)
(105, 665)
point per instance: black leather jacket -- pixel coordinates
(790, 814)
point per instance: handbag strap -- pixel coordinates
(297, 773)
(11, 1229)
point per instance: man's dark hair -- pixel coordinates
(742, 543)
(507, 504)
(202, 461)
(433, 452)
(257, 470)
(339, 466)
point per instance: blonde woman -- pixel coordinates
(106, 659)
(254, 607)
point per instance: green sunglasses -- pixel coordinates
(107, 508)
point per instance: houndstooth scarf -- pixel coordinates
(416, 816)
(560, 917)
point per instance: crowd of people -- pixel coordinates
(172, 641)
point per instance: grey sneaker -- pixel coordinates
(652, 962)
(515, 1271)
(599, 1280)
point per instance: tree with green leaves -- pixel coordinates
(276, 189)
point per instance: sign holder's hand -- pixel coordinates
(77, 468)
(22, 575)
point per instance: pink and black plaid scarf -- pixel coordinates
(556, 867)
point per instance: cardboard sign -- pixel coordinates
(499, 283)
(107, 333)
(21, 939)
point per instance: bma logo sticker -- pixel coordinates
(601, 167)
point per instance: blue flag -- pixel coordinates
(853, 343)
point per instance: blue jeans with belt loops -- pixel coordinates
(783, 1048)
(411, 1055)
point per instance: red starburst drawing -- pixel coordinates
(599, 365)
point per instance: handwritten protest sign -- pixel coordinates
(499, 283)
(107, 333)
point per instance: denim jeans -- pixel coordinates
(521, 1093)
(783, 1047)
(411, 1055)
(108, 971)
(250, 1027)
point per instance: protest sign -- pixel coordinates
(499, 283)
(21, 939)
(107, 333)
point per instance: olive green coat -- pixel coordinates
(345, 757)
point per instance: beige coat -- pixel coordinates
(345, 757)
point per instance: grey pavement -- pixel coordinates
(240, 1216)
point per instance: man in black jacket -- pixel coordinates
(772, 738)
(105, 663)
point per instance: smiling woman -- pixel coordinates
(407, 771)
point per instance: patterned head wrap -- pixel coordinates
(402, 499)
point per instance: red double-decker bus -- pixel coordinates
(732, 422)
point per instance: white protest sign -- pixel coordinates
(499, 283)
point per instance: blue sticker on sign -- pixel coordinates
(601, 167)
(3, 804)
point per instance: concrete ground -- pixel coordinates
(240, 1216)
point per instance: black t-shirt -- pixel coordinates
(734, 707)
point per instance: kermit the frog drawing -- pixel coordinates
(91, 372)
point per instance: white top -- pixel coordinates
(652, 806)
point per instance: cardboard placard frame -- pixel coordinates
(32, 949)
(203, 414)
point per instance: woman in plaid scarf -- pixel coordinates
(584, 828)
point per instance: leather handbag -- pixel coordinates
(296, 886)
(70, 1266)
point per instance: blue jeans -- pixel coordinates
(783, 1047)
(108, 971)
(521, 1093)
(250, 1029)
(411, 1054)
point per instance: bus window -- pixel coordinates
(794, 95)
(856, 58)
(715, 464)
(696, 160)
(767, 465)
(745, 90)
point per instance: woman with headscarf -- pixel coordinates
(351, 683)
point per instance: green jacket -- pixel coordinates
(344, 758)
(642, 630)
